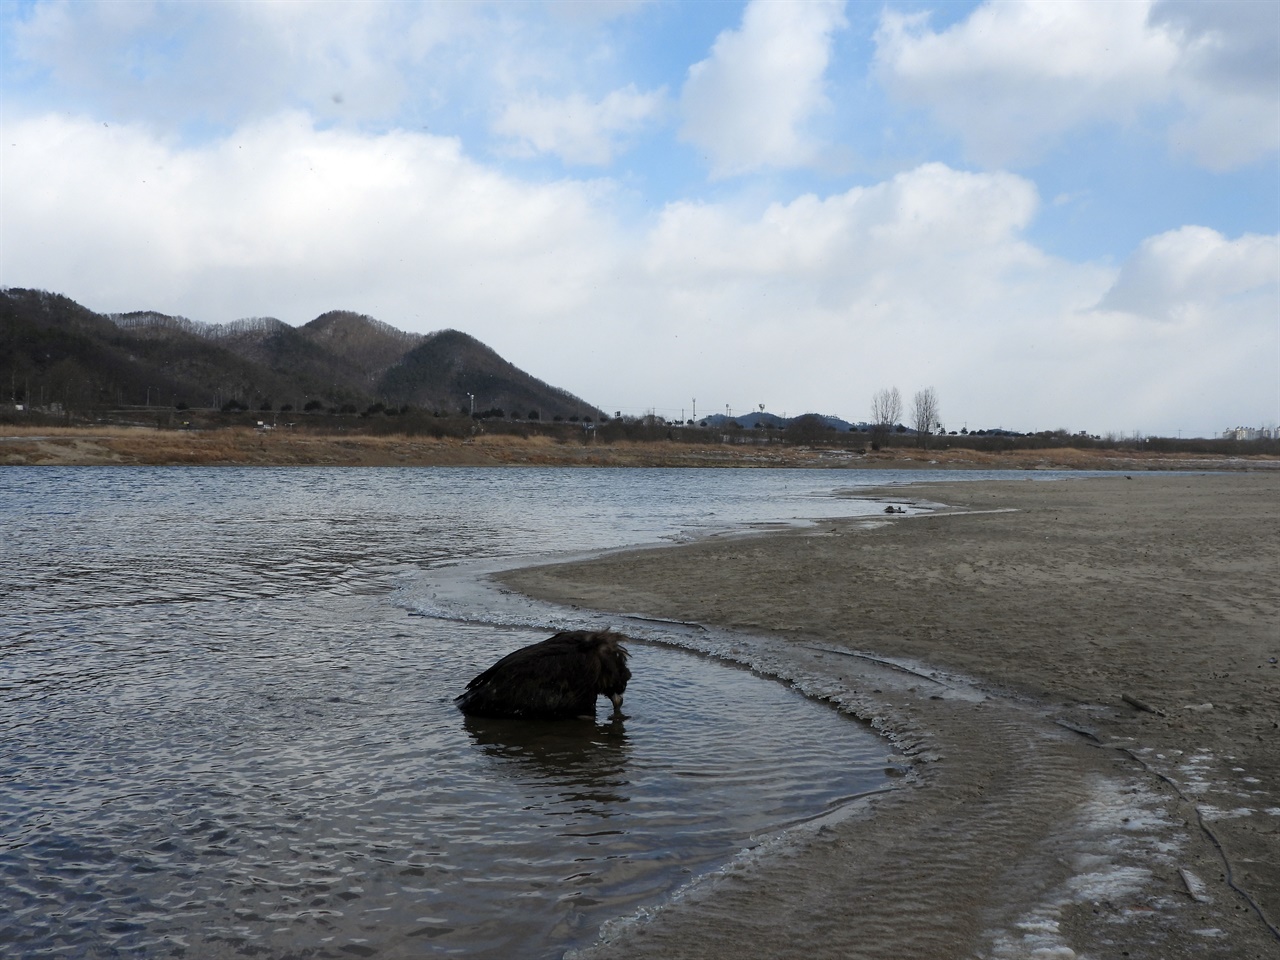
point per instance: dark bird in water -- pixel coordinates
(559, 677)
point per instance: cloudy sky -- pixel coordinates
(1056, 214)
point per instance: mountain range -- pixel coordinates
(58, 352)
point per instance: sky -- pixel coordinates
(1058, 215)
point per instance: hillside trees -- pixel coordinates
(808, 429)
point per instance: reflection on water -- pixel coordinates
(222, 733)
(577, 754)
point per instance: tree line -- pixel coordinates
(886, 415)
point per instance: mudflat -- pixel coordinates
(1083, 677)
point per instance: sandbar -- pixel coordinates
(1083, 677)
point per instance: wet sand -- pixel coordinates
(1084, 677)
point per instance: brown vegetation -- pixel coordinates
(67, 446)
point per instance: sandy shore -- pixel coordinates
(1084, 676)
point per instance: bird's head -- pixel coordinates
(614, 672)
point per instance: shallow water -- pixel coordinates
(226, 718)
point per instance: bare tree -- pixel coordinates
(924, 414)
(886, 411)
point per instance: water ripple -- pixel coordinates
(221, 733)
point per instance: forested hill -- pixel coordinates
(56, 353)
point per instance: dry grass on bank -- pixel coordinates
(78, 446)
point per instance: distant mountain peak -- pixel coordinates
(343, 359)
(339, 323)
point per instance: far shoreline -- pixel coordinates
(148, 446)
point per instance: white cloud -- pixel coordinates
(1188, 336)
(1018, 76)
(1228, 78)
(921, 279)
(932, 215)
(199, 69)
(1235, 43)
(285, 219)
(926, 278)
(1195, 273)
(576, 129)
(173, 63)
(748, 104)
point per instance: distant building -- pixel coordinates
(1251, 433)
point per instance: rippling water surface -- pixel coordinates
(226, 718)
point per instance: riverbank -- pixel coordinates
(145, 446)
(1084, 676)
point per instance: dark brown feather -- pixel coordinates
(559, 677)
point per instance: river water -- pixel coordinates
(227, 723)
